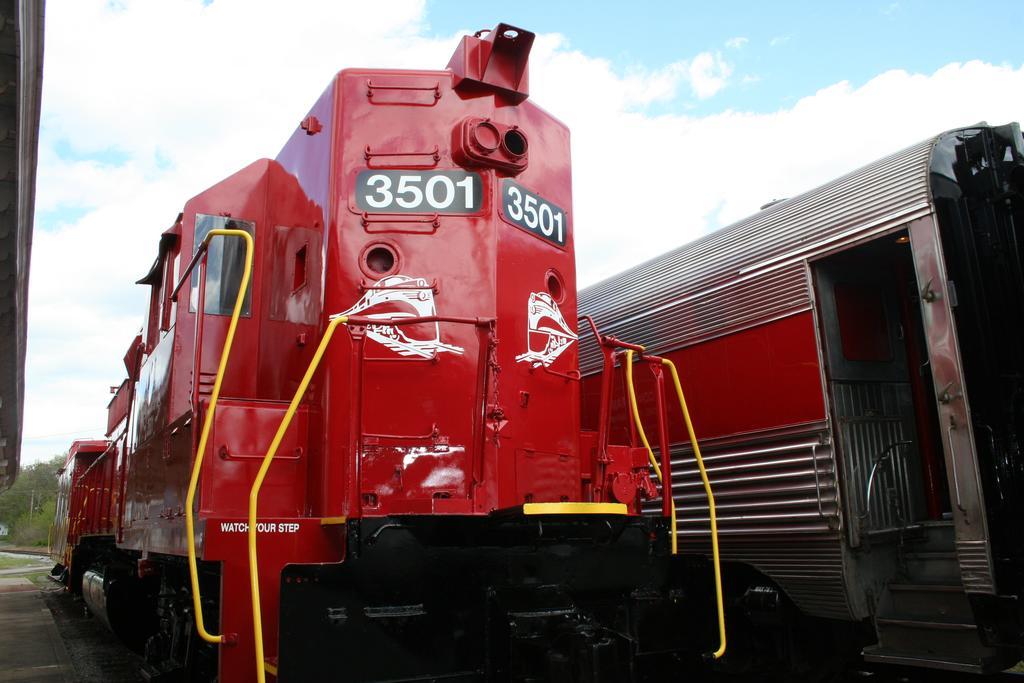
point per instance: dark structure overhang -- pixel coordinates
(21, 77)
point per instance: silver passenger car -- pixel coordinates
(897, 503)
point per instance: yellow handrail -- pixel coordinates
(666, 487)
(193, 570)
(717, 654)
(254, 493)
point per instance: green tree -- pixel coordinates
(31, 499)
(34, 530)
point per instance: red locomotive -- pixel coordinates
(857, 371)
(349, 443)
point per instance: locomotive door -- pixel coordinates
(870, 389)
(416, 450)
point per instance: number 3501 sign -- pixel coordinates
(419, 192)
(533, 213)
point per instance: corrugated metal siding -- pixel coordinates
(873, 416)
(974, 566)
(811, 572)
(713, 312)
(751, 271)
(777, 509)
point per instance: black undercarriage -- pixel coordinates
(581, 599)
(473, 599)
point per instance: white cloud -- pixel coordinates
(705, 75)
(170, 97)
(708, 74)
(778, 40)
(737, 42)
(712, 170)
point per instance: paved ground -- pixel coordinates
(31, 648)
(47, 635)
(16, 584)
(96, 655)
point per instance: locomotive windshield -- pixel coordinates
(224, 266)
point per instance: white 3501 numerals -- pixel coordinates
(437, 191)
(534, 213)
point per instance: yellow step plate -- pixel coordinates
(329, 521)
(575, 509)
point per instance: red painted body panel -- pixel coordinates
(283, 541)
(90, 494)
(120, 404)
(486, 269)
(779, 359)
(237, 444)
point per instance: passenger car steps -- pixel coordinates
(931, 625)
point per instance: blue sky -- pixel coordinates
(724, 106)
(792, 49)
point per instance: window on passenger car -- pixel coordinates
(224, 265)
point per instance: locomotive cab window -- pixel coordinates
(224, 265)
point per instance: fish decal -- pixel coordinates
(548, 335)
(416, 296)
